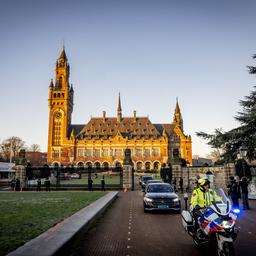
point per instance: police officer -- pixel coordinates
(203, 196)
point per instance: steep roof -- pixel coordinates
(63, 54)
(128, 127)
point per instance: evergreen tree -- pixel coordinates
(229, 143)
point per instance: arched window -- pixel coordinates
(105, 166)
(80, 165)
(88, 165)
(139, 166)
(147, 165)
(156, 165)
(97, 165)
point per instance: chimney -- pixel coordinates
(134, 115)
(104, 116)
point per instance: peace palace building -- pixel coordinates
(102, 141)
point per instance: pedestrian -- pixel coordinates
(17, 185)
(90, 181)
(181, 184)
(174, 183)
(234, 191)
(38, 188)
(244, 188)
(13, 184)
(103, 183)
(47, 184)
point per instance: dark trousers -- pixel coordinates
(245, 201)
(235, 201)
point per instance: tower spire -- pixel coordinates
(119, 109)
(177, 119)
(177, 108)
(63, 55)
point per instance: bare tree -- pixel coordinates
(214, 155)
(35, 148)
(10, 147)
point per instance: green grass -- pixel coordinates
(115, 179)
(25, 215)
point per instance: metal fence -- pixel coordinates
(62, 178)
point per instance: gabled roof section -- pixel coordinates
(98, 128)
(76, 128)
(169, 128)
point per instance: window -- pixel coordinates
(155, 152)
(96, 153)
(87, 152)
(118, 152)
(55, 153)
(104, 152)
(138, 152)
(80, 152)
(146, 152)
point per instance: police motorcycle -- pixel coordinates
(213, 225)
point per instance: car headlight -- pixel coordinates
(176, 200)
(227, 224)
(148, 200)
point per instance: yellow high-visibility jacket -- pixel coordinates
(203, 198)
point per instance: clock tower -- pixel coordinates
(60, 104)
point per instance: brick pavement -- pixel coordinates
(125, 230)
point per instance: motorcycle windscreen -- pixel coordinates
(226, 205)
(220, 192)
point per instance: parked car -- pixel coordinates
(74, 176)
(161, 197)
(144, 180)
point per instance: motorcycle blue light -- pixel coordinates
(236, 211)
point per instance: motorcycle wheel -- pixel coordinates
(228, 249)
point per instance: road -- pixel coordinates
(126, 230)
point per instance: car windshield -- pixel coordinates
(159, 188)
(147, 178)
(154, 181)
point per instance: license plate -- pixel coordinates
(163, 206)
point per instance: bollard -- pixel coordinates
(186, 201)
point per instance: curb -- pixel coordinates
(55, 238)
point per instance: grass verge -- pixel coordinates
(25, 215)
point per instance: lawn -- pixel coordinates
(25, 215)
(109, 180)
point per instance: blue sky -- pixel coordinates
(150, 51)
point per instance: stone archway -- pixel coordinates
(156, 165)
(139, 165)
(97, 165)
(147, 166)
(105, 166)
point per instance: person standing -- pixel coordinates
(38, 188)
(174, 183)
(47, 184)
(90, 181)
(13, 184)
(103, 183)
(17, 185)
(234, 191)
(244, 187)
(181, 185)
